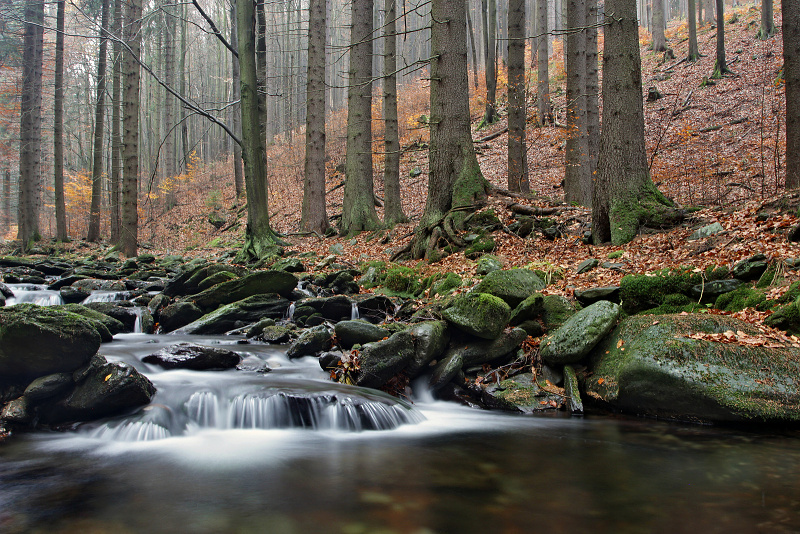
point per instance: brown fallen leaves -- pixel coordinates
(767, 337)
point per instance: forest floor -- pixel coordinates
(718, 148)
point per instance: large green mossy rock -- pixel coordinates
(640, 292)
(479, 314)
(358, 332)
(650, 366)
(37, 341)
(311, 342)
(257, 283)
(580, 334)
(106, 325)
(513, 285)
(430, 342)
(238, 314)
(381, 360)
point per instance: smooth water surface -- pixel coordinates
(443, 469)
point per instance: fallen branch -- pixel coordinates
(530, 210)
(491, 136)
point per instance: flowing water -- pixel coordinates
(287, 451)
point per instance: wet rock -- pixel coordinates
(513, 285)
(572, 391)
(214, 279)
(112, 326)
(108, 390)
(192, 356)
(381, 360)
(17, 411)
(710, 291)
(329, 360)
(530, 308)
(95, 284)
(290, 265)
(520, 393)
(478, 314)
(657, 370)
(338, 308)
(751, 268)
(257, 283)
(275, 334)
(446, 370)
(48, 386)
(122, 311)
(73, 295)
(178, 314)
(246, 311)
(375, 308)
(556, 310)
(37, 341)
(430, 342)
(480, 351)
(311, 342)
(487, 264)
(357, 332)
(580, 334)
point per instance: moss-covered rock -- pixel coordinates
(311, 342)
(741, 298)
(787, 318)
(479, 314)
(106, 325)
(751, 269)
(179, 314)
(642, 292)
(520, 393)
(556, 310)
(654, 368)
(358, 332)
(579, 335)
(487, 264)
(39, 340)
(482, 245)
(238, 314)
(430, 341)
(513, 285)
(710, 291)
(257, 283)
(530, 308)
(403, 281)
(675, 303)
(445, 284)
(382, 360)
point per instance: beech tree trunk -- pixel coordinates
(720, 65)
(393, 208)
(236, 110)
(116, 135)
(694, 51)
(767, 29)
(130, 126)
(473, 46)
(791, 76)
(358, 209)
(30, 131)
(577, 180)
(543, 58)
(517, 149)
(624, 195)
(592, 92)
(168, 148)
(58, 127)
(99, 116)
(659, 39)
(490, 20)
(314, 217)
(455, 181)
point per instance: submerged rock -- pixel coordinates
(651, 366)
(193, 356)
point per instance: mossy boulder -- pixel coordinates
(38, 340)
(479, 314)
(382, 360)
(483, 244)
(529, 309)
(216, 278)
(311, 342)
(642, 292)
(711, 291)
(580, 334)
(106, 325)
(178, 314)
(445, 284)
(402, 281)
(654, 368)
(487, 264)
(786, 318)
(556, 310)
(358, 332)
(520, 393)
(257, 283)
(513, 285)
(430, 341)
(121, 310)
(751, 269)
(238, 314)
(741, 298)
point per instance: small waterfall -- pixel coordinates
(290, 311)
(354, 314)
(34, 294)
(137, 324)
(106, 296)
(132, 431)
(302, 287)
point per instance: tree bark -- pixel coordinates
(393, 207)
(473, 47)
(168, 149)
(791, 76)
(30, 141)
(116, 136)
(720, 65)
(694, 51)
(314, 217)
(99, 116)
(592, 91)
(130, 127)
(236, 110)
(490, 114)
(517, 149)
(767, 28)
(455, 181)
(543, 58)
(358, 210)
(259, 237)
(7, 200)
(659, 39)
(624, 195)
(577, 180)
(58, 128)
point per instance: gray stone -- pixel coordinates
(520, 393)
(382, 360)
(587, 265)
(48, 386)
(122, 311)
(572, 391)
(193, 356)
(530, 308)
(513, 285)
(257, 283)
(357, 332)
(178, 314)
(479, 314)
(430, 342)
(447, 369)
(579, 335)
(711, 290)
(244, 312)
(477, 352)
(487, 264)
(17, 411)
(311, 342)
(594, 294)
(706, 231)
(751, 268)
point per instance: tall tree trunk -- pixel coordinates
(58, 128)
(517, 149)
(259, 237)
(791, 75)
(694, 51)
(659, 39)
(577, 180)
(358, 210)
(624, 195)
(261, 70)
(543, 58)
(592, 90)
(30, 140)
(490, 115)
(393, 207)
(314, 217)
(168, 148)
(720, 65)
(767, 29)
(7, 200)
(99, 115)
(185, 148)
(116, 135)
(236, 110)
(455, 181)
(473, 46)
(130, 127)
